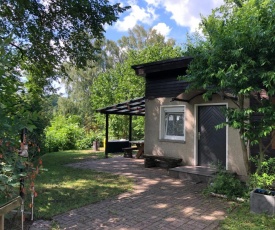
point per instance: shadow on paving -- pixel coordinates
(156, 202)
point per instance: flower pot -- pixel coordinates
(262, 203)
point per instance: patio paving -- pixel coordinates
(156, 202)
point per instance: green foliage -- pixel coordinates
(87, 140)
(10, 173)
(35, 39)
(110, 79)
(265, 177)
(138, 39)
(238, 58)
(46, 33)
(226, 183)
(242, 218)
(120, 83)
(66, 133)
(63, 133)
(15, 115)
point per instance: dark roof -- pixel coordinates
(133, 107)
(160, 66)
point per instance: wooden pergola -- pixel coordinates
(134, 107)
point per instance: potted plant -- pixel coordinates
(262, 199)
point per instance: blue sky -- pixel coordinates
(172, 18)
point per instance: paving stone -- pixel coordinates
(156, 202)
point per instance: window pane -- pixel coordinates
(174, 124)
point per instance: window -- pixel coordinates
(172, 123)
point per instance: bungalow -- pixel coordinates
(182, 125)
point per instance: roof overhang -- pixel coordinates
(190, 95)
(134, 107)
(160, 66)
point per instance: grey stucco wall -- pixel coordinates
(187, 150)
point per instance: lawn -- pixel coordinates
(241, 218)
(64, 188)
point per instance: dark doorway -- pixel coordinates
(211, 141)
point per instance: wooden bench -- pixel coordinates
(128, 151)
(153, 161)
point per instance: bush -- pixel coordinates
(63, 133)
(227, 183)
(66, 134)
(265, 177)
(87, 140)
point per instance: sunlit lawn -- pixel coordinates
(63, 188)
(241, 218)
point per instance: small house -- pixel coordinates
(182, 125)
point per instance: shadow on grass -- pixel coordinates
(63, 188)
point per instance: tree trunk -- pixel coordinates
(261, 156)
(244, 143)
(245, 153)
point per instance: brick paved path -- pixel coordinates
(157, 202)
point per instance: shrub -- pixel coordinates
(265, 177)
(66, 134)
(63, 133)
(227, 183)
(87, 140)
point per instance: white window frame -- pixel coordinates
(162, 131)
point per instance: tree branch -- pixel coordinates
(22, 51)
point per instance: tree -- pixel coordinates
(109, 62)
(48, 33)
(14, 116)
(38, 37)
(237, 54)
(120, 83)
(139, 38)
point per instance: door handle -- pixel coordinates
(199, 135)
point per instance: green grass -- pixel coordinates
(241, 218)
(63, 188)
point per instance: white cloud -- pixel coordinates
(137, 15)
(186, 12)
(162, 29)
(154, 2)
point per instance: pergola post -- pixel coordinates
(130, 127)
(106, 134)
(134, 107)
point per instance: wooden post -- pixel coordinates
(106, 135)
(130, 127)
